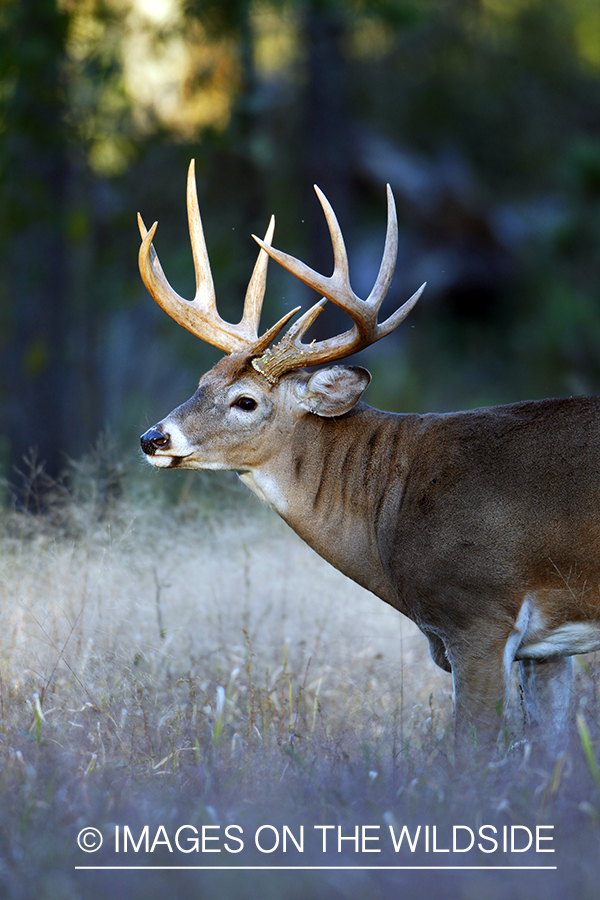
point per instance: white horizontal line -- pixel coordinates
(329, 868)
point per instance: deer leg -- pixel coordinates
(547, 689)
(479, 710)
(481, 675)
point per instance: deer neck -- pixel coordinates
(326, 483)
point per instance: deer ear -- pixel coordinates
(335, 390)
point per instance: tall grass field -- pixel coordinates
(236, 719)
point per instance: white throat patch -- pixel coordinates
(265, 487)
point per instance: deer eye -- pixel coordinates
(246, 403)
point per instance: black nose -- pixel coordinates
(153, 439)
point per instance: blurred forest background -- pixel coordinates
(484, 115)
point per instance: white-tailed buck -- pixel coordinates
(483, 527)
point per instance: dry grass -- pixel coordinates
(187, 660)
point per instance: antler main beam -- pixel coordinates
(290, 352)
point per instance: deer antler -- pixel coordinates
(200, 315)
(290, 353)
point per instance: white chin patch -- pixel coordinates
(161, 462)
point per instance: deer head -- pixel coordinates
(256, 390)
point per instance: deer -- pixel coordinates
(482, 526)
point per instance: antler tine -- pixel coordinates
(340, 279)
(390, 255)
(401, 313)
(255, 294)
(205, 288)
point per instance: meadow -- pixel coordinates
(173, 655)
